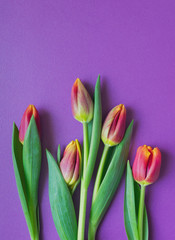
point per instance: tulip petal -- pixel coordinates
(120, 125)
(153, 168)
(76, 170)
(140, 163)
(67, 165)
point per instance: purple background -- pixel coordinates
(44, 47)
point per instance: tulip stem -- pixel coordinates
(84, 188)
(35, 230)
(141, 212)
(100, 171)
(82, 212)
(91, 231)
(35, 237)
(85, 145)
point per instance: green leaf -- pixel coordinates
(75, 186)
(131, 207)
(90, 131)
(130, 216)
(19, 174)
(59, 154)
(61, 203)
(32, 160)
(96, 133)
(145, 217)
(111, 179)
(32, 165)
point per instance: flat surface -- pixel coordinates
(44, 47)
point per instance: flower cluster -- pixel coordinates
(77, 165)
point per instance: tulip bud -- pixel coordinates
(70, 164)
(82, 105)
(146, 165)
(31, 110)
(114, 126)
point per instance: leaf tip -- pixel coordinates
(98, 82)
(47, 152)
(58, 153)
(128, 163)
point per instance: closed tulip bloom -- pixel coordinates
(82, 105)
(70, 164)
(29, 112)
(114, 126)
(146, 165)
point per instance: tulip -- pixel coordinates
(114, 126)
(112, 134)
(70, 164)
(29, 112)
(146, 165)
(82, 105)
(145, 171)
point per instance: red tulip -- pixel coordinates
(146, 165)
(82, 105)
(114, 126)
(29, 112)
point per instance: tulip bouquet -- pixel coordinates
(76, 166)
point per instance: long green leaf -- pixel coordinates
(90, 131)
(32, 160)
(96, 133)
(131, 206)
(130, 216)
(19, 174)
(32, 165)
(58, 154)
(61, 203)
(145, 217)
(111, 179)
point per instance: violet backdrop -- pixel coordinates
(44, 46)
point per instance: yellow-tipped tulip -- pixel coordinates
(146, 165)
(82, 105)
(70, 164)
(114, 126)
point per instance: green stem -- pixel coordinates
(100, 172)
(91, 232)
(82, 212)
(85, 146)
(36, 237)
(84, 189)
(34, 221)
(141, 212)
(35, 234)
